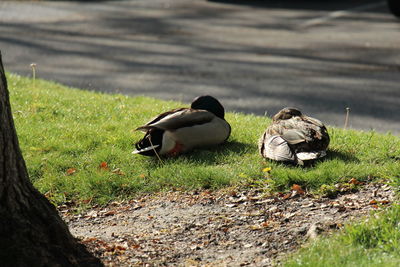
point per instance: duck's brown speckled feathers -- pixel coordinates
(294, 137)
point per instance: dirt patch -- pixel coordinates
(226, 228)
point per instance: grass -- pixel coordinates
(67, 134)
(77, 146)
(374, 242)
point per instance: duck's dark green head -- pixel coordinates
(210, 104)
(286, 113)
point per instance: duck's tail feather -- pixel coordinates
(150, 144)
(141, 151)
(304, 156)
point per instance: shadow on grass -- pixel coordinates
(342, 156)
(215, 155)
(210, 155)
(332, 155)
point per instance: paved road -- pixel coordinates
(256, 56)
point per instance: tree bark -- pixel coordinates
(31, 230)
(394, 7)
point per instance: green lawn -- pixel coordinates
(77, 146)
(66, 134)
(374, 242)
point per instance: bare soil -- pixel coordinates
(219, 228)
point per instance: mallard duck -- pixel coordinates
(294, 137)
(180, 130)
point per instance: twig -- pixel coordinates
(33, 66)
(158, 156)
(346, 121)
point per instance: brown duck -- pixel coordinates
(293, 137)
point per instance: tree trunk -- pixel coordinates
(394, 7)
(31, 231)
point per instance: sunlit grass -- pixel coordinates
(373, 242)
(65, 134)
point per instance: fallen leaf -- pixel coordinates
(373, 202)
(109, 213)
(341, 208)
(91, 214)
(103, 165)
(233, 193)
(267, 169)
(87, 201)
(89, 239)
(384, 202)
(225, 229)
(135, 246)
(355, 181)
(71, 171)
(206, 193)
(298, 189)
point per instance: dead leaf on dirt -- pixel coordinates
(110, 212)
(265, 224)
(355, 181)
(233, 193)
(373, 202)
(259, 226)
(87, 201)
(298, 189)
(119, 247)
(91, 214)
(89, 239)
(135, 246)
(341, 208)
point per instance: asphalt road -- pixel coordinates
(255, 56)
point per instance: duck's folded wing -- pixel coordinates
(294, 136)
(276, 148)
(179, 119)
(313, 121)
